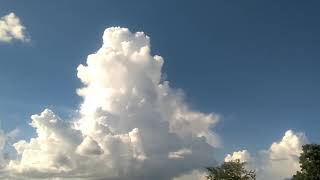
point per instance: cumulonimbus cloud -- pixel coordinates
(131, 125)
(12, 29)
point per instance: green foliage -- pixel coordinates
(233, 170)
(310, 163)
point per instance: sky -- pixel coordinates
(254, 65)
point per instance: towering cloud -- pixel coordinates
(282, 158)
(11, 28)
(131, 124)
(280, 161)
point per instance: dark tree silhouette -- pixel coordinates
(309, 163)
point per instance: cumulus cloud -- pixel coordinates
(282, 158)
(278, 162)
(12, 29)
(243, 156)
(131, 124)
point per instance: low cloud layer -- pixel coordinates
(131, 124)
(278, 162)
(12, 29)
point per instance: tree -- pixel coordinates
(232, 170)
(309, 163)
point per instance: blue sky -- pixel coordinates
(256, 63)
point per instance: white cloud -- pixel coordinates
(282, 158)
(243, 156)
(131, 124)
(280, 161)
(12, 29)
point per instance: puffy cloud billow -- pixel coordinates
(12, 29)
(131, 124)
(242, 156)
(278, 162)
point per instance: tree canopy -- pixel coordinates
(232, 170)
(309, 163)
